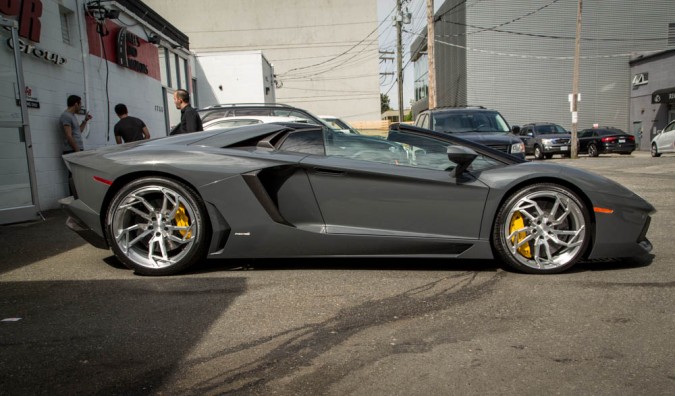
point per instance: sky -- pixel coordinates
(387, 40)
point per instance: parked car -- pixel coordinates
(596, 141)
(339, 125)
(543, 139)
(477, 124)
(230, 122)
(220, 111)
(664, 142)
(300, 190)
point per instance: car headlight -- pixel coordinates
(547, 142)
(517, 148)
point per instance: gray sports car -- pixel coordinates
(300, 190)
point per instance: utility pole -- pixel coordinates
(430, 54)
(575, 86)
(399, 59)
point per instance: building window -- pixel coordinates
(671, 34)
(164, 66)
(182, 72)
(66, 17)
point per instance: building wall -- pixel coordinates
(322, 51)
(101, 84)
(520, 56)
(652, 117)
(234, 77)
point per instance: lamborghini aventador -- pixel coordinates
(301, 190)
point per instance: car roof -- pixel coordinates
(539, 123)
(458, 109)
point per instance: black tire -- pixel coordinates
(593, 150)
(655, 152)
(157, 226)
(531, 239)
(538, 153)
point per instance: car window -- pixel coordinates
(669, 127)
(233, 123)
(549, 129)
(585, 133)
(423, 122)
(308, 142)
(459, 122)
(431, 153)
(365, 148)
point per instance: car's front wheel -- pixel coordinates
(157, 226)
(538, 153)
(655, 151)
(542, 228)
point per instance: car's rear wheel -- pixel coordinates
(538, 153)
(542, 228)
(593, 150)
(157, 226)
(655, 151)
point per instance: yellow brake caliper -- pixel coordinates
(182, 220)
(517, 223)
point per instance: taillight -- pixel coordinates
(609, 139)
(630, 137)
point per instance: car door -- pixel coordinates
(666, 140)
(374, 195)
(585, 137)
(527, 136)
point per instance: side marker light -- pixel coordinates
(602, 210)
(102, 180)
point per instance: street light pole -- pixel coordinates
(399, 59)
(575, 86)
(430, 54)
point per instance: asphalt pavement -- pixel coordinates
(74, 321)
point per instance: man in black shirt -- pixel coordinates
(189, 119)
(129, 129)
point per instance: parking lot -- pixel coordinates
(74, 321)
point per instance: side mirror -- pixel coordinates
(462, 156)
(515, 129)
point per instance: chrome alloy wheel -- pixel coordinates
(545, 229)
(154, 226)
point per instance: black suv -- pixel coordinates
(476, 124)
(257, 109)
(543, 139)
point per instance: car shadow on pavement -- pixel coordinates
(614, 264)
(25, 243)
(106, 337)
(369, 264)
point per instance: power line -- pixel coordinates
(343, 53)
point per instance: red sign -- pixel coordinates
(139, 55)
(29, 13)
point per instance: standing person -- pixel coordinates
(129, 129)
(189, 119)
(71, 127)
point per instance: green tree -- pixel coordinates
(384, 103)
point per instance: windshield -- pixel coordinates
(549, 129)
(484, 121)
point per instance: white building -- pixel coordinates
(105, 52)
(234, 77)
(324, 52)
